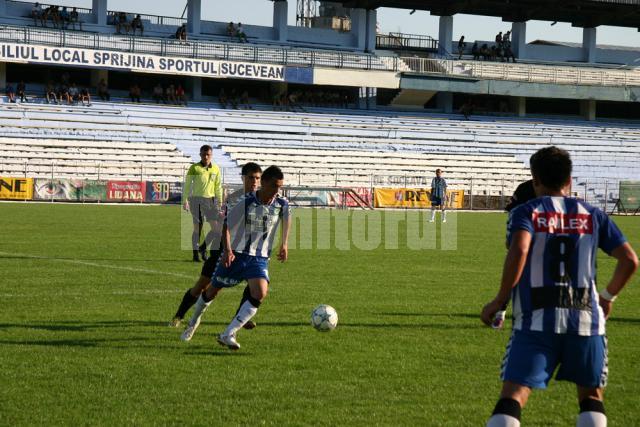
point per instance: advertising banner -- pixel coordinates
(163, 192)
(126, 191)
(140, 62)
(16, 188)
(413, 198)
(78, 190)
(364, 193)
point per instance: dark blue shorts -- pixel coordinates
(532, 357)
(243, 267)
(436, 201)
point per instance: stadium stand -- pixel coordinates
(326, 148)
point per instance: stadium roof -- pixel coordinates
(580, 13)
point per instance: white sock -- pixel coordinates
(246, 312)
(433, 214)
(501, 314)
(503, 420)
(444, 215)
(198, 310)
(591, 419)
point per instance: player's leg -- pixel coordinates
(257, 292)
(444, 213)
(433, 211)
(592, 412)
(585, 363)
(191, 296)
(194, 207)
(201, 305)
(245, 297)
(529, 361)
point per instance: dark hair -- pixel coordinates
(250, 168)
(551, 166)
(272, 172)
(438, 170)
(205, 148)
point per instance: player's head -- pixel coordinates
(272, 180)
(251, 174)
(206, 152)
(551, 170)
(438, 172)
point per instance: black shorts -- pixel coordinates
(202, 208)
(436, 201)
(209, 265)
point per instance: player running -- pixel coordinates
(251, 173)
(550, 270)
(250, 230)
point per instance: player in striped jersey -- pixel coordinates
(250, 230)
(251, 173)
(550, 270)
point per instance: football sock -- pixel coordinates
(506, 414)
(198, 310)
(444, 215)
(245, 297)
(433, 214)
(501, 314)
(591, 414)
(246, 312)
(187, 302)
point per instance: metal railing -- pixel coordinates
(44, 6)
(406, 41)
(566, 75)
(152, 19)
(201, 49)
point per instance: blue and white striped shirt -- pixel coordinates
(253, 225)
(557, 291)
(438, 187)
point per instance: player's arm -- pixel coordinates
(283, 255)
(513, 266)
(626, 266)
(187, 188)
(218, 193)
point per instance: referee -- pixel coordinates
(202, 197)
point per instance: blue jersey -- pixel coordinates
(438, 187)
(557, 291)
(253, 225)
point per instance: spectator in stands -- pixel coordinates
(181, 96)
(242, 37)
(508, 53)
(20, 91)
(222, 98)
(74, 93)
(137, 23)
(181, 33)
(244, 100)
(36, 13)
(50, 93)
(233, 99)
(485, 52)
(158, 94)
(475, 51)
(170, 94)
(85, 96)
(121, 23)
(63, 93)
(467, 109)
(499, 39)
(103, 91)
(461, 47)
(134, 92)
(74, 19)
(506, 37)
(10, 92)
(231, 30)
(64, 17)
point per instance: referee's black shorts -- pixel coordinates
(202, 208)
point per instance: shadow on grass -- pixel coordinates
(216, 352)
(622, 320)
(69, 343)
(56, 258)
(426, 314)
(75, 326)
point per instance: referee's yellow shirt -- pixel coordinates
(203, 181)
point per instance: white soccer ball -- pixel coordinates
(324, 318)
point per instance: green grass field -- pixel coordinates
(86, 293)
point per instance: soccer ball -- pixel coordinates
(324, 318)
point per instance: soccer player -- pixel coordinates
(559, 318)
(203, 196)
(250, 230)
(251, 173)
(524, 192)
(438, 195)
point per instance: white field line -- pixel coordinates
(95, 264)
